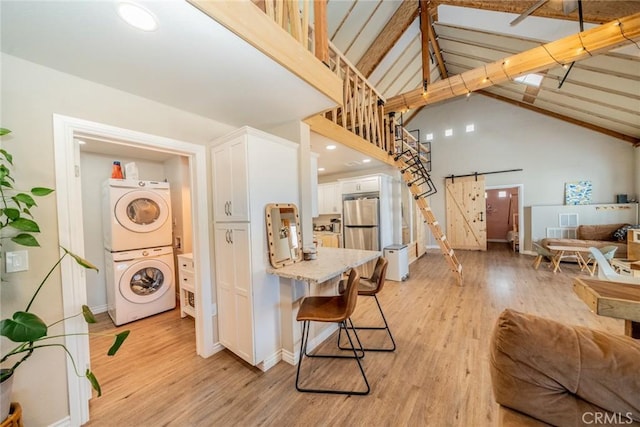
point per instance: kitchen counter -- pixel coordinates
(331, 263)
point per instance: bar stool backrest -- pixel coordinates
(350, 295)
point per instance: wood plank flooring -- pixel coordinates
(438, 376)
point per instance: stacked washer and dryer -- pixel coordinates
(139, 264)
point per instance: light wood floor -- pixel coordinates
(438, 376)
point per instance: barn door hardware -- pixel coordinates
(476, 174)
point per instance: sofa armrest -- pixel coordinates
(561, 374)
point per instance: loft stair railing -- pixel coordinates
(415, 174)
(362, 113)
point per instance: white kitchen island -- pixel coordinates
(316, 277)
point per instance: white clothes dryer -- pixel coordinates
(137, 214)
(140, 283)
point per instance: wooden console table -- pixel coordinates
(612, 299)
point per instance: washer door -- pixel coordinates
(141, 211)
(146, 281)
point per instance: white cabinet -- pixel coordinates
(329, 199)
(251, 169)
(187, 285)
(230, 190)
(361, 185)
(235, 294)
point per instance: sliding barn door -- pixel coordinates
(466, 213)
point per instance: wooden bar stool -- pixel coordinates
(370, 288)
(335, 309)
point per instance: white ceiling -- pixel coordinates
(190, 62)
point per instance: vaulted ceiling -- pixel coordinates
(387, 41)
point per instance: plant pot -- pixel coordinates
(5, 395)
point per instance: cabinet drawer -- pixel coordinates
(187, 280)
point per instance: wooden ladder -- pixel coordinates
(421, 186)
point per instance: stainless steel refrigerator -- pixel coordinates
(361, 220)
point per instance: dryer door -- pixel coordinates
(141, 211)
(146, 281)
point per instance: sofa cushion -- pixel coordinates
(564, 375)
(598, 232)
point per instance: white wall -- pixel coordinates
(550, 152)
(30, 95)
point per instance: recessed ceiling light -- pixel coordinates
(320, 169)
(366, 160)
(331, 147)
(137, 16)
(80, 142)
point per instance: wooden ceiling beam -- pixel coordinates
(564, 51)
(425, 23)
(595, 11)
(397, 25)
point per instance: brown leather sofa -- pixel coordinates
(592, 235)
(547, 373)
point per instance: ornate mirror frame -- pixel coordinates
(284, 236)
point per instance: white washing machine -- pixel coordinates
(140, 283)
(136, 214)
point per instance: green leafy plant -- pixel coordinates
(31, 332)
(26, 328)
(15, 208)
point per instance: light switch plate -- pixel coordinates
(17, 261)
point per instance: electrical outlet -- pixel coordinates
(17, 261)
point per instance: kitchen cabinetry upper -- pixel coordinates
(361, 185)
(329, 199)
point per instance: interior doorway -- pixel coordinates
(504, 214)
(71, 236)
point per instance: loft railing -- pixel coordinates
(362, 109)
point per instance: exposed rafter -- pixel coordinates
(425, 23)
(572, 48)
(634, 141)
(399, 22)
(595, 11)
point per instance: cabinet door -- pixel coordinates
(334, 199)
(329, 199)
(364, 185)
(234, 289)
(231, 193)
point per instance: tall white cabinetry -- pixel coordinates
(251, 169)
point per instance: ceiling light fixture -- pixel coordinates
(321, 169)
(331, 147)
(366, 160)
(137, 16)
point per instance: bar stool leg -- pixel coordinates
(376, 328)
(356, 356)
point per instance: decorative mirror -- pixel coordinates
(283, 234)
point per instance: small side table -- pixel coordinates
(612, 299)
(15, 416)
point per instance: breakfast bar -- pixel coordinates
(318, 277)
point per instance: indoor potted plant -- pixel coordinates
(24, 328)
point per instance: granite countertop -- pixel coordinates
(331, 262)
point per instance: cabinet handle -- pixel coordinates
(231, 236)
(226, 208)
(230, 209)
(226, 236)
